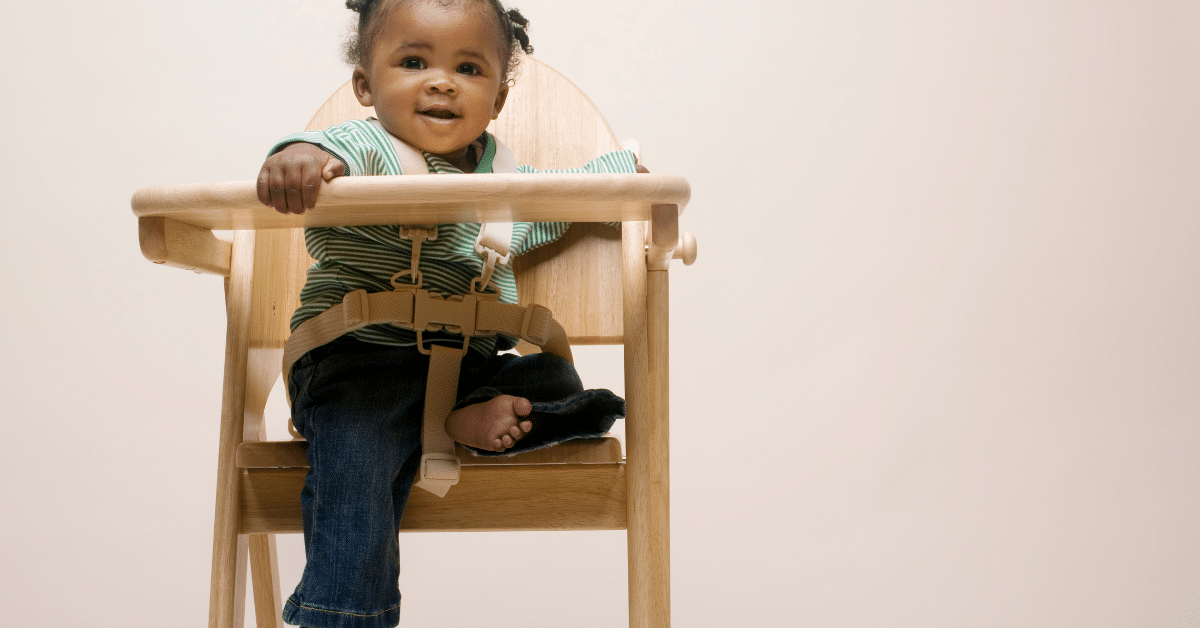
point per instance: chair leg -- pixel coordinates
(650, 524)
(227, 596)
(264, 572)
(646, 437)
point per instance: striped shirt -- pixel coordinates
(367, 257)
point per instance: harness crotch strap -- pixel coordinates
(421, 311)
(412, 307)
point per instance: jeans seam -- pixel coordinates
(323, 610)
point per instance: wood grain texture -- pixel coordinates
(646, 443)
(264, 570)
(664, 237)
(579, 279)
(259, 299)
(413, 199)
(649, 478)
(294, 454)
(230, 549)
(180, 245)
(550, 123)
(524, 497)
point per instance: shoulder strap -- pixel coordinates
(495, 239)
(504, 161)
(411, 160)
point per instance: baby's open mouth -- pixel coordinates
(439, 113)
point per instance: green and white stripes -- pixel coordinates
(350, 258)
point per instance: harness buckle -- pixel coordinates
(433, 312)
(440, 468)
(478, 286)
(418, 280)
(418, 235)
(495, 241)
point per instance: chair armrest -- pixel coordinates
(424, 199)
(173, 243)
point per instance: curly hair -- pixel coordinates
(510, 24)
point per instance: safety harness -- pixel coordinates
(410, 306)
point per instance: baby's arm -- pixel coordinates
(290, 179)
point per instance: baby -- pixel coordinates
(436, 72)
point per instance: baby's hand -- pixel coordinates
(290, 179)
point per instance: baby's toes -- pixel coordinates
(521, 406)
(506, 441)
(524, 425)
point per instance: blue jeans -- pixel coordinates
(359, 405)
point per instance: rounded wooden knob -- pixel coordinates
(686, 249)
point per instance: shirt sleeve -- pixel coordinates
(356, 143)
(616, 162)
(528, 236)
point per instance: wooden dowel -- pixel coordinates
(424, 199)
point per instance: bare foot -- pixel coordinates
(493, 425)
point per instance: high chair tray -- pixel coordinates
(420, 199)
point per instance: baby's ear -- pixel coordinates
(501, 96)
(362, 86)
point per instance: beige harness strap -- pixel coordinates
(440, 465)
(412, 307)
(423, 311)
(411, 160)
(533, 324)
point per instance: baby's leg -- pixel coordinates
(493, 425)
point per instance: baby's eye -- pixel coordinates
(412, 63)
(470, 69)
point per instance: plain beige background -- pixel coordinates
(937, 365)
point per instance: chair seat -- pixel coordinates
(579, 485)
(294, 454)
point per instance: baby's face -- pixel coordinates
(435, 76)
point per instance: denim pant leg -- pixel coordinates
(562, 409)
(359, 406)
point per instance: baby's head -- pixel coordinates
(509, 24)
(436, 71)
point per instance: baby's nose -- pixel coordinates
(441, 83)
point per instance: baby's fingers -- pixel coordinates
(264, 187)
(310, 185)
(333, 168)
(270, 189)
(290, 198)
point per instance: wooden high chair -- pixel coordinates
(604, 286)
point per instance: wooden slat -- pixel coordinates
(383, 200)
(281, 454)
(293, 454)
(511, 497)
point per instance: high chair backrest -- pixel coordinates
(548, 123)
